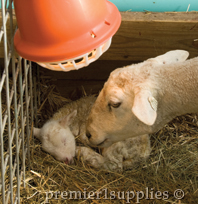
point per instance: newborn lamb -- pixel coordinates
(58, 138)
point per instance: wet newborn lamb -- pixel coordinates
(58, 138)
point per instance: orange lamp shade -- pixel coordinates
(59, 30)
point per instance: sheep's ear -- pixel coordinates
(172, 57)
(36, 132)
(67, 120)
(145, 107)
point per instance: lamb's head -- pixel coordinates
(57, 139)
(127, 105)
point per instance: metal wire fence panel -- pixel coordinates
(17, 105)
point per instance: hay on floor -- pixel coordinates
(173, 165)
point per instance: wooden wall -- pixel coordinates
(89, 80)
(140, 36)
(145, 35)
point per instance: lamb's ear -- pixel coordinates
(145, 107)
(67, 120)
(172, 57)
(36, 132)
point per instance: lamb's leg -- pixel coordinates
(139, 150)
(127, 154)
(90, 156)
(113, 157)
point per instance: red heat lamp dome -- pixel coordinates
(64, 35)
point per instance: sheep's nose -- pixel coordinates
(88, 135)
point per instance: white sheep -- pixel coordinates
(57, 137)
(141, 98)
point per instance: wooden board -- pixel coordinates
(145, 35)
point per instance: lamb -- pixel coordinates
(141, 98)
(58, 138)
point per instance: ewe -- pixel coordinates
(140, 99)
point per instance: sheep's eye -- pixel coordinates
(115, 105)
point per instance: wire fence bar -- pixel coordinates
(22, 119)
(4, 74)
(35, 96)
(31, 94)
(2, 81)
(2, 184)
(16, 113)
(17, 107)
(26, 69)
(8, 104)
(5, 20)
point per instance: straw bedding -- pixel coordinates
(173, 165)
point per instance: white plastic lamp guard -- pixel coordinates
(78, 62)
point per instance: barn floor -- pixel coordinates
(173, 163)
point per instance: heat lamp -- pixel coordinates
(64, 35)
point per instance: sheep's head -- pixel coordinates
(57, 139)
(127, 105)
(113, 117)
